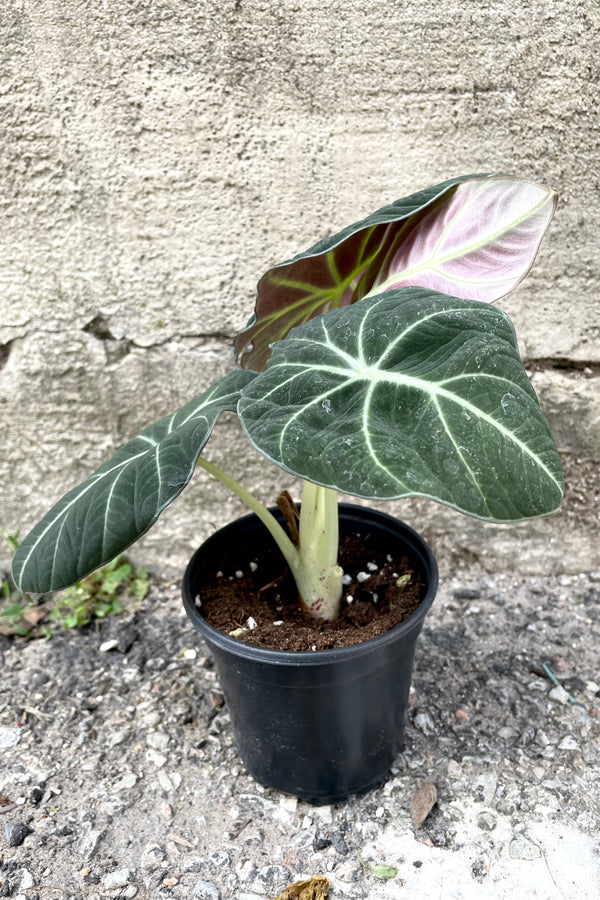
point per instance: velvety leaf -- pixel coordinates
(474, 237)
(409, 392)
(101, 517)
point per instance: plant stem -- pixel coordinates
(290, 553)
(314, 563)
(319, 544)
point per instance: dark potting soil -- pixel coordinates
(265, 611)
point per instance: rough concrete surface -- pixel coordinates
(156, 158)
(119, 777)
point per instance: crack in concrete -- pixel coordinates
(562, 363)
(5, 353)
(99, 328)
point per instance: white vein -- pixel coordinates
(116, 471)
(373, 375)
(433, 263)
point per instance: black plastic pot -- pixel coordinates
(320, 725)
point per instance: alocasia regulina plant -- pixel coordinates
(374, 365)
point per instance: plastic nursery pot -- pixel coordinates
(319, 725)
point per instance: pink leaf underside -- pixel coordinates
(477, 244)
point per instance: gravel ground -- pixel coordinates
(119, 777)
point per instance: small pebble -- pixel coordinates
(321, 841)
(559, 694)
(362, 576)
(158, 740)
(36, 793)
(522, 848)
(206, 890)
(486, 821)
(220, 859)
(245, 870)
(424, 723)
(15, 833)
(271, 880)
(455, 770)
(153, 857)
(124, 783)
(466, 593)
(9, 737)
(119, 884)
(89, 842)
(338, 843)
(126, 638)
(27, 881)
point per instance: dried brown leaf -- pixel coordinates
(35, 614)
(291, 515)
(179, 840)
(30, 618)
(315, 888)
(423, 802)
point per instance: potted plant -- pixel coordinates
(374, 365)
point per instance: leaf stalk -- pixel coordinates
(313, 564)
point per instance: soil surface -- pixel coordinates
(263, 609)
(119, 777)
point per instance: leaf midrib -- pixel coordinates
(434, 390)
(434, 262)
(92, 481)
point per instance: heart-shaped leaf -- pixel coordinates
(409, 392)
(474, 237)
(101, 517)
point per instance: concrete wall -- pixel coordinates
(157, 157)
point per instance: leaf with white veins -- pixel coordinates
(101, 517)
(474, 237)
(409, 392)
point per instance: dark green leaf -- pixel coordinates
(101, 517)
(409, 392)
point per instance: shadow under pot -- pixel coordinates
(319, 725)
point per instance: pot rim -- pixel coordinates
(319, 657)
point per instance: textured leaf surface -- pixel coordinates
(474, 237)
(101, 517)
(409, 392)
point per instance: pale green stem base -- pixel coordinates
(319, 545)
(314, 563)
